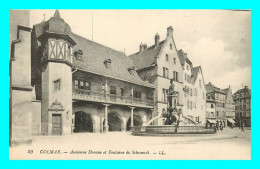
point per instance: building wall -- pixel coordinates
(36, 117)
(210, 111)
(53, 72)
(164, 82)
(243, 110)
(20, 78)
(199, 99)
(230, 111)
(97, 84)
(220, 100)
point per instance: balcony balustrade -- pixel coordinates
(88, 95)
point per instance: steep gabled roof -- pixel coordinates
(147, 57)
(183, 57)
(195, 72)
(94, 55)
(242, 93)
(211, 88)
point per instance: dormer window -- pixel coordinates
(131, 70)
(79, 55)
(107, 63)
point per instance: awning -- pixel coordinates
(212, 121)
(231, 120)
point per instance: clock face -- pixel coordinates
(59, 49)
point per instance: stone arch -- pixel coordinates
(115, 122)
(138, 121)
(84, 122)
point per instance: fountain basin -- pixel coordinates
(170, 129)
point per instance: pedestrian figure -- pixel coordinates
(242, 127)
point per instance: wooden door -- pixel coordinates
(56, 124)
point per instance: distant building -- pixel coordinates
(242, 99)
(230, 110)
(210, 112)
(161, 62)
(219, 96)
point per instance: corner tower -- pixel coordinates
(56, 47)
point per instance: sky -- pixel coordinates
(217, 40)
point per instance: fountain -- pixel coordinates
(174, 121)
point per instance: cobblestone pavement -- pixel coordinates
(226, 144)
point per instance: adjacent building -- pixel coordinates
(230, 110)
(219, 96)
(20, 78)
(242, 99)
(161, 62)
(210, 112)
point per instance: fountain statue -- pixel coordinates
(173, 119)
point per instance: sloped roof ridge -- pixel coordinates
(96, 43)
(148, 48)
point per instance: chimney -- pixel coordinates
(156, 39)
(144, 46)
(170, 31)
(141, 47)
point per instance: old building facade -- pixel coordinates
(160, 63)
(230, 110)
(79, 85)
(210, 111)
(242, 99)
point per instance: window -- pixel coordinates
(212, 105)
(87, 85)
(170, 46)
(137, 94)
(167, 57)
(165, 72)
(187, 67)
(56, 85)
(81, 85)
(103, 89)
(174, 61)
(175, 76)
(195, 92)
(190, 92)
(191, 105)
(217, 113)
(121, 91)
(112, 90)
(76, 84)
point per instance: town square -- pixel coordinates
(85, 89)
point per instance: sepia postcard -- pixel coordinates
(130, 84)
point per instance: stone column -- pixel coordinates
(132, 94)
(106, 118)
(132, 116)
(106, 89)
